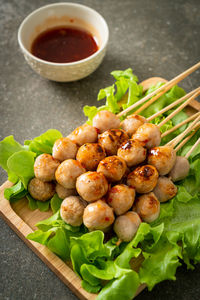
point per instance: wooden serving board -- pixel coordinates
(22, 220)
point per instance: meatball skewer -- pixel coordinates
(148, 207)
(164, 157)
(126, 226)
(160, 91)
(111, 139)
(134, 121)
(98, 216)
(181, 167)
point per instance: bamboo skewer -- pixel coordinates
(185, 140)
(180, 124)
(172, 141)
(192, 149)
(172, 105)
(163, 88)
(178, 109)
(152, 100)
(175, 141)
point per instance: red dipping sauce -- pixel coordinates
(64, 45)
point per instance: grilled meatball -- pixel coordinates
(180, 169)
(148, 207)
(112, 139)
(71, 210)
(165, 189)
(113, 167)
(126, 226)
(68, 172)
(91, 186)
(90, 155)
(132, 123)
(63, 192)
(121, 198)
(84, 134)
(41, 190)
(149, 134)
(45, 167)
(64, 148)
(98, 216)
(105, 120)
(143, 179)
(163, 158)
(133, 152)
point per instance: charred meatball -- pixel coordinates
(121, 198)
(84, 134)
(163, 158)
(133, 152)
(180, 169)
(165, 189)
(98, 216)
(143, 179)
(112, 139)
(71, 210)
(92, 186)
(45, 167)
(64, 148)
(63, 192)
(149, 134)
(132, 123)
(67, 173)
(126, 226)
(113, 167)
(105, 120)
(41, 190)
(90, 155)
(148, 207)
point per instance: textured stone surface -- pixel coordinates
(155, 38)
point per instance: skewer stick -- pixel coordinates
(192, 149)
(175, 141)
(172, 105)
(180, 124)
(178, 109)
(163, 88)
(185, 141)
(152, 100)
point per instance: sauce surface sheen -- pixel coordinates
(64, 45)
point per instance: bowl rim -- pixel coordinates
(69, 63)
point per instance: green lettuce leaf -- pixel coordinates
(160, 264)
(92, 244)
(89, 288)
(39, 236)
(44, 143)
(8, 147)
(16, 192)
(47, 224)
(123, 287)
(21, 164)
(59, 244)
(32, 203)
(55, 203)
(125, 85)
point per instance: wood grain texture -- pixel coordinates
(22, 220)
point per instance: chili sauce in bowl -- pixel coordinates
(64, 41)
(64, 45)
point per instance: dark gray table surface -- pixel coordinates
(155, 38)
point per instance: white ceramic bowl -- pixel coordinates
(67, 14)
